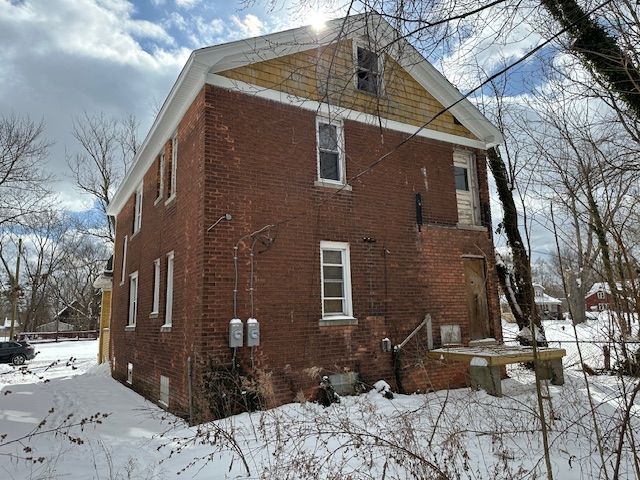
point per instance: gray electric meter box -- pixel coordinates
(253, 333)
(235, 333)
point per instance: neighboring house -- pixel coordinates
(5, 328)
(55, 326)
(104, 283)
(258, 192)
(549, 308)
(599, 297)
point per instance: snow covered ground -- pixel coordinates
(459, 433)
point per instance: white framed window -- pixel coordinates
(174, 167)
(331, 153)
(160, 177)
(368, 69)
(124, 260)
(600, 295)
(156, 286)
(137, 215)
(603, 306)
(130, 373)
(466, 188)
(335, 272)
(133, 299)
(168, 308)
(164, 390)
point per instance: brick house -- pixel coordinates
(260, 192)
(599, 297)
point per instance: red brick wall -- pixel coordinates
(175, 226)
(260, 166)
(256, 160)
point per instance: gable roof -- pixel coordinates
(218, 58)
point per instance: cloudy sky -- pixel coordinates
(60, 58)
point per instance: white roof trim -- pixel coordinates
(235, 54)
(340, 112)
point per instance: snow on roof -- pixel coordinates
(604, 287)
(544, 299)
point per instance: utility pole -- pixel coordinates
(16, 291)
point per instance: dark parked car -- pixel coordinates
(16, 352)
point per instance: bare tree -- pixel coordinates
(107, 148)
(23, 150)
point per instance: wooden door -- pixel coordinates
(475, 282)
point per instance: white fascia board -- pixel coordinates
(182, 94)
(337, 112)
(243, 52)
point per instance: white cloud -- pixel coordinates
(249, 26)
(187, 4)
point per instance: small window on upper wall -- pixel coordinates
(368, 69)
(137, 216)
(462, 178)
(160, 177)
(173, 168)
(331, 166)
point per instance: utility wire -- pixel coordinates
(502, 71)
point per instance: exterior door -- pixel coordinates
(475, 282)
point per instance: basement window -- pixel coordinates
(130, 373)
(336, 280)
(164, 391)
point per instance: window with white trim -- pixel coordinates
(174, 167)
(336, 280)
(129, 373)
(466, 188)
(164, 391)
(603, 306)
(124, 260)
(168, 308)
(160, 176)
(137, 216)
(330, 141)
(368, 70)
(600, 295)
(133, 299)
(156, 286)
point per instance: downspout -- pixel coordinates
(189, 389)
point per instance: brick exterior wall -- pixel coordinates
(256, 159)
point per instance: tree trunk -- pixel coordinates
(517, 284)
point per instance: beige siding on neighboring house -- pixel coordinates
(105, 320)
(327, 75)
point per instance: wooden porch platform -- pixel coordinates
(485, 362)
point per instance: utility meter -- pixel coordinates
(235, 333)
(253, 333)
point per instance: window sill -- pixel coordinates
(153, 315)
(338, 321)
(162, 404)
(165, 328)
(337, 186)
(130, 328)
(135, 234)
(170, 199)
(157, 200)
(477, 228)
